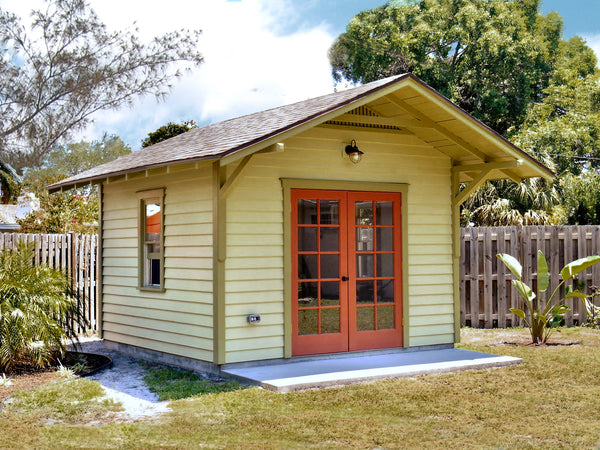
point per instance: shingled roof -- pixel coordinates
(221, 139)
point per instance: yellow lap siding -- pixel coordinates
(257, 353)
(255, 230)
(179, 349)
(178, 320)
(434, 339)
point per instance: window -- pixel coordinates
(151, 265)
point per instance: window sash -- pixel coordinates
(151, 263)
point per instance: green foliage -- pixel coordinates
(54, 76)
(581, 198)
(540, 317)
(71, 159)
(565, 125)
(173, 384)
(38, 310)
(63, 213)
(168, 131)
(9, 183)
(491, 58)
(591, 309)
(75, 210)
(505, 203)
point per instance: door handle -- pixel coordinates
(345, 278)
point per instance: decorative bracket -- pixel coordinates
(481, 173)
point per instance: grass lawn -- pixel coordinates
(550, 401)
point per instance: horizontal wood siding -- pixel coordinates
(254, 266)
(179, 320)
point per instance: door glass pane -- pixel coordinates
(364, 292)
(330, 266)
(385, 239)
(307, 211)
(365, 318)
(364, 213)
(330, 293)
(307, 294)
(364, 239)
(330, 320)
(385, 291)
(385, 265)
(364, 266)
(307, 239)
(329, 212)
(307, 266)
(308, 321)
(330, 239)
(385, 317)
(384, 213)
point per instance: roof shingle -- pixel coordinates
(223, 138)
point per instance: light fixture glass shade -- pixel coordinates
(354, 154)
(355, 157)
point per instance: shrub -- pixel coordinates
(541, 317)
(38, 310)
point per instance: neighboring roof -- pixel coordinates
(256, 131)
(8, 215)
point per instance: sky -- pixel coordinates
(258, 54)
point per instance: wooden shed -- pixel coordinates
(260, 238)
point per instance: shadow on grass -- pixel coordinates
(174, 384)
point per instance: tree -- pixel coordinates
(491, 58)
(168, 131)
(75, 210)
(505, 203)
(580, 198)
(9, 183)
(63, 212)
(565, 125)
(70, 159)
(68, 66)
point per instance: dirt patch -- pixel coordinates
(24, 377)
(26, 381)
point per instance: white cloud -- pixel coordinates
(593, 41)
(251, 62)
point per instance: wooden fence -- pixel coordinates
(73, 253)
(486, 291)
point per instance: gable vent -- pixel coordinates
(363, 120)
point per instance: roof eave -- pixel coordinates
(275, 136)
(250, 147)
(510, 148)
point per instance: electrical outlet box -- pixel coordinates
(253, 318)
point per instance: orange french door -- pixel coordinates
(346, 271)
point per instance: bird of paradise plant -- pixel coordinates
(541, 318)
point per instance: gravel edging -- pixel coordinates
(124, 383)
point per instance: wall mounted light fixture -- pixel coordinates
(354, 154)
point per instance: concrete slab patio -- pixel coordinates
(324, 371)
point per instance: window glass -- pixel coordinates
(152, 241)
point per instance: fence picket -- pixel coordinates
(560, 245)
(74, 254)
(486, 293)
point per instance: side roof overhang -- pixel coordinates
(402, 104)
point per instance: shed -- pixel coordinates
(258, 238)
